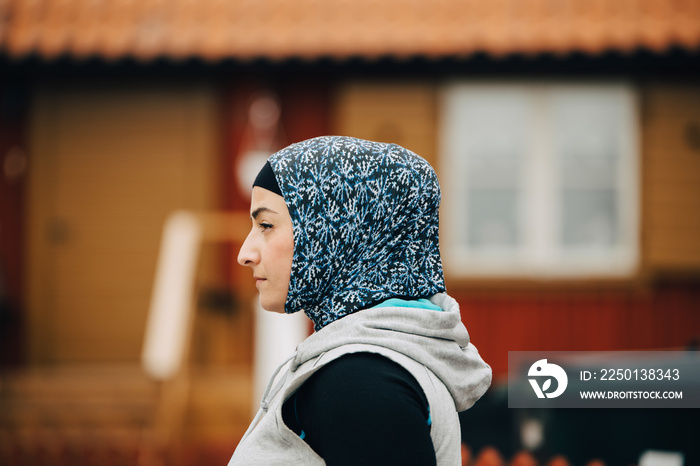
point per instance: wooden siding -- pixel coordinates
(671, 176)
(110, 161)
(402, 113)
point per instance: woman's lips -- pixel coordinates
(258, 280)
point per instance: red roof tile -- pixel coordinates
(277, 29)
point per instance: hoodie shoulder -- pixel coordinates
(437, 340)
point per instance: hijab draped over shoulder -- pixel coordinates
(365, 218)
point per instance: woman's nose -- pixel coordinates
(248, 256)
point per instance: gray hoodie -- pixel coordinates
(432, 345)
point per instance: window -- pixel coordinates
(539, 180)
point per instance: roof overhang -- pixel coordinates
(215, 30)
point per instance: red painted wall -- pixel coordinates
(660, 316)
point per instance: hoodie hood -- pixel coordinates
(435, 339)
(365, 219)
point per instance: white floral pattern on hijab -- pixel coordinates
(365, 217)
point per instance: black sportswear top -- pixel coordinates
(364, 409)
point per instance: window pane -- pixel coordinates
(586, 131)
(489, 168)
(494, 136)
(578, 170)
(589, 218)
(492, 218)
(586, 144)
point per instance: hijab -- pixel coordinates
(365, 219)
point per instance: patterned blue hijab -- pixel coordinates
(365, 219)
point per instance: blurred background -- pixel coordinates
(566, 136)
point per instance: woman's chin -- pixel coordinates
(271, 307)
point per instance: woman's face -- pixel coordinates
(269, 248)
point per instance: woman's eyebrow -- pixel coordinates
(257, 212)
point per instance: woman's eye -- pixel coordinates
(265, 226)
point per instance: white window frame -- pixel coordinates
(541, 255)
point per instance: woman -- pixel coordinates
(346, 230)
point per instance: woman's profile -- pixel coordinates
(346, 231)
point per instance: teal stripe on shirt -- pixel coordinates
(421, 303)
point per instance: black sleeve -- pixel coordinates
(363, 409)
